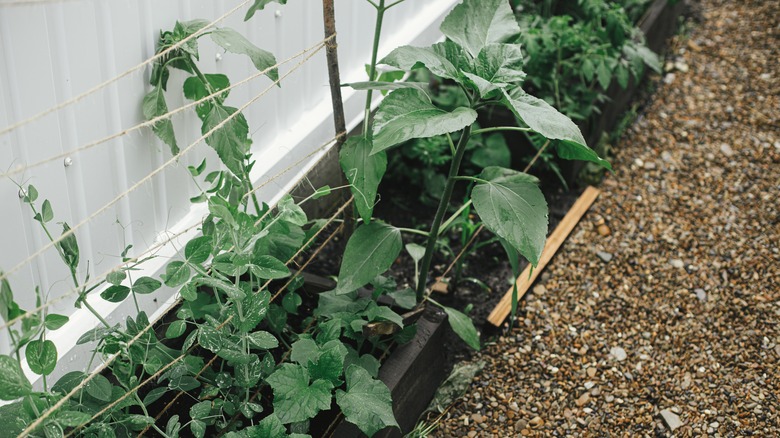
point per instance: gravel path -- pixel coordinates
(669, 324)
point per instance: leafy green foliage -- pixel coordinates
(364, 171)
(505, 198)
(296, 396)
(366, 402)
(371, 250)
(13, 383)
(408, 113)
(258, 5)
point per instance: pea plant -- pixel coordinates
(247, 365)
(480, 56)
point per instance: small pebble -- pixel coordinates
(618, 353)
(604, 256)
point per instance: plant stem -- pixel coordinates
(441, 211)
(500, 128)
(412, 231)
(380, 13)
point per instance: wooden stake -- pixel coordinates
(561, 232)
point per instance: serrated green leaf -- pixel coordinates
(176, 273)
(407, 114)
(13, 383)
(258, 5)
(497, 66)
(330, 364)
(231, 139)
(463, 327)
(370, 251)
(154, 106)
(476, 23)
(268, 427)
(41, 356)
(146, 285)
(512, 206)
(366, 402)
(547, 121)
(115, 294)
(295, 398)
(54, 321)
(234, 42)
(364, 171)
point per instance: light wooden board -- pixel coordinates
(556, 239)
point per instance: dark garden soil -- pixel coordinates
(668, 324)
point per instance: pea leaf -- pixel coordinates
(176, 329)
(295, 398)
(146, 285)
(230, 140)
(463, 327)
(547, 121)
(291, 212)
(370, 251)
(69, 246)
(72, 418)
(474, 24)
(366, 402)
(234, 42)
(269, 267)
(176, 273)
(13, 383)
(46, 214)
(154, 106)
(408, 113)
(100, 388)
(255, 309)
(258, 5)
(54, 321)
(263, 340)
(364, 172)
(115, 294)
(512, 206)
(41, 356)
(198, 249)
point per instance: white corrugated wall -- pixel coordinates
(51, 51)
